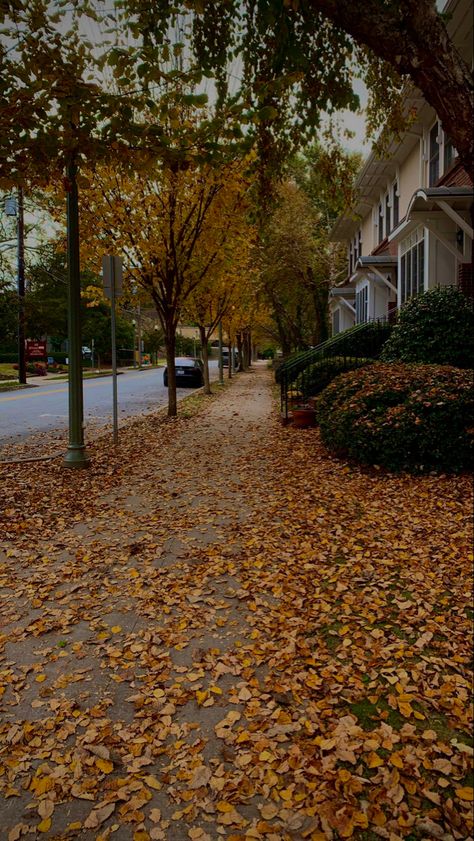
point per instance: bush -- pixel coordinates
(8, 357)
(414, 417)
(320, 374)
(436, 327)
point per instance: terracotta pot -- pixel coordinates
(304, 417)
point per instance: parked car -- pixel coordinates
(225, 357)
(189, 372)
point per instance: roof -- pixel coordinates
(378, 260)
(449, 200)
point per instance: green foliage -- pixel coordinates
(186, 346)
(437, 327)
(321, 373)
(402, 417)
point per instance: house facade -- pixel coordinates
(411, 227)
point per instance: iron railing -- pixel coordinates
(305, 374)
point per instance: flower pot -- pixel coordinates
(303, 417)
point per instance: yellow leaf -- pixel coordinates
(116, 629)
(223, 806)
(105, 765)
(74, 825)
(153, 782)
(373, 760)
(141, 835)
(159, 693)
(40, 679)
(466, 793)
(405, 709)
(44, 826)
(215, 690)
(396, 760)
(201, 696)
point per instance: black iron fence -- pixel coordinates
(304, 375)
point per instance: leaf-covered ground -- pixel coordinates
(224, 633)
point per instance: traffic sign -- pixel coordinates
(112, 273)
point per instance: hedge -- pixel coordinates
(436, 327)
(402, 417)
(321, 373)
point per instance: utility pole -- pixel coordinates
(21, 288)
(76, 453)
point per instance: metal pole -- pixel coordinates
(139, 325)
(114, 352)
(92, 354)
(21, 289)
(221, 361)
(76, 455)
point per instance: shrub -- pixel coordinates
(414, 417)
(363, 340)
(436, 327)
(321, 373)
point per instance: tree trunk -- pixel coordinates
(229, 370)
(248, 348)
(240, 347)
(170, 344)
(412, 37)
(205, 359)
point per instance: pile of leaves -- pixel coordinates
(229, 634)
(402, 417)
(436, 327)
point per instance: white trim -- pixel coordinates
(447, 244)
(343, 301)
(384, 279)
(455, 217)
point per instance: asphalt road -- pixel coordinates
(45, 407)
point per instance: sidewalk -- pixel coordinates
(223, 633)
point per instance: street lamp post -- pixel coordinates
(76, 453)
(15, 207)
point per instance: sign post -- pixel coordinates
(221, 361)
(112, 273)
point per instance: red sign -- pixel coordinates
(35, 350)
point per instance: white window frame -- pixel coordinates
(412, 265)
(362, 304)
(436, 125)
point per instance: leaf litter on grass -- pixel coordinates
(294, 664)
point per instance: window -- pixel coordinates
(380, 222)
(336, 323)
(412, 266)
(387, 215)
(433, 166)
(449, 152)
(362, 305)
(395, 205)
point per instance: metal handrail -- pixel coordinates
(295, 372)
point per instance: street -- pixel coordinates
(45, 407)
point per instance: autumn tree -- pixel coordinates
(170, 223)
(225, 284)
